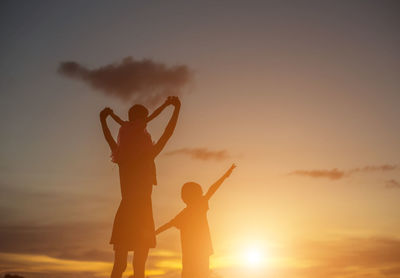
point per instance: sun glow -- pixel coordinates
(253, 256)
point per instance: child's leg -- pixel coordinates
(120, 258)
(139, 262)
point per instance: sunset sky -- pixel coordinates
(302, 95)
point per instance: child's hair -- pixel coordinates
(138, 111)
(191, 192)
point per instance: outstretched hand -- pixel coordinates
(213, 188)
(229, 172)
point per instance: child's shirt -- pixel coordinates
(193, 225)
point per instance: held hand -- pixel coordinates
(172, 100)
(105, 112)
(175, 101)
(168, 101)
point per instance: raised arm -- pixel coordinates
(213, 188)
(159, 110)
(116, 118)
(106, 131)
(170, 127)
(164, 227)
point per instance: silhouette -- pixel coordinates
(193, 225)
(13, 276)
(133, 228)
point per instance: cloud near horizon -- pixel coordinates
(336, 174)
(201, 153)
(349, 257)
(344, 257)
(68, 250)
(392, 183)
(144, 81)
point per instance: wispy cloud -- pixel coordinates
(201, 153)
(392, 183)
(69, 250)
(378, 168)
(80, 240)
(53, 267)
(145, 81)
(335, 174)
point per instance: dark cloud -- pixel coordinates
(144, 81)
(336, 174)
(392, 184)
(201, 153)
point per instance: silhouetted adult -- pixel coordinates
(133, 228)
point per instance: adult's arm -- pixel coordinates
(106, 131)
(170, 127)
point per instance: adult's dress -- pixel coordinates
(133, 224)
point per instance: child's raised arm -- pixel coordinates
(159, 146)
(213, 188)
(116, 118)
(107, 134)
(164, 227)
(159, 110)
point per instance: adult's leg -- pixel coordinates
(120, 258)
(195, 266)
(139, 262)
(204, 267)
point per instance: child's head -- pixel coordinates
(138, 112)
(191, 192)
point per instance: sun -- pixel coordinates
(253, 256)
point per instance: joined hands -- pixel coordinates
(171, 100)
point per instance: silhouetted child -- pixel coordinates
(193, 225)
(133, 137)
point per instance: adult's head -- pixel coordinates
(138, 112)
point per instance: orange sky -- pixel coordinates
(289, 90)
